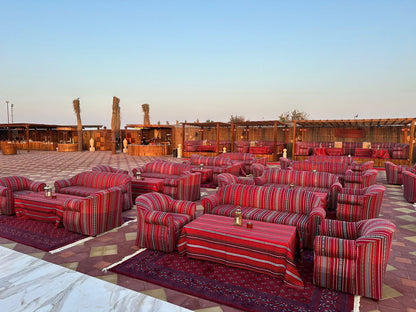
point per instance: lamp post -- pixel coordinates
(7, 103)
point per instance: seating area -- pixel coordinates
(283, 196)
(357, 149)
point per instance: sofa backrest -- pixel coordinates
(238, 156)
(100, 180)
(327, 158)
(321, 166)
(268, 197)
(15, 183)
(166, 167)
(299, 178)
(209, 161)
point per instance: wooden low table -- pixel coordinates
(266, 248)
(36, 206)
(145, 185)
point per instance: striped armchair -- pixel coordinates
(352, 256)
(160, 220)
(228, 178)
(359, 180)
(12, 186)
(104, 168)
(360, 204)
(94, 214)
(394, 172)
(409, 186)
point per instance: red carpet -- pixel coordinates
(235, 287)
(41, 235)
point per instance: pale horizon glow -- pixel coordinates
(207, 60)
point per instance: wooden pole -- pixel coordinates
(412, 137)
(294, 140)
(218, 138)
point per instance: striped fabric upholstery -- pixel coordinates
(355, 179)
(94, 214)
(322, 182)
(13, 186)
(179, 182)
(104, 168)
(228, 178)
(270, 204)
(409, 186)
(394, 172)
(162, 169)
(246, 158)
(363, 166)
(352, 256)
(338, 168)
(328, 158)
(89, 182)
(217, 164)
(257, 169)
(356, 207)
(160, 220)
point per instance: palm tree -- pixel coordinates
(77, 110)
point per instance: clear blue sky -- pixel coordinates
(207, 59)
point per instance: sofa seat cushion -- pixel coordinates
(77, 190)
(265, 215)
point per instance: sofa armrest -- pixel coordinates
(183, 207)
(60, 184)
(3, 190)
(261, 160)
(171, 182)
(36, 186)
(134, 170)
(261, 180)
(209, 202)
(335, 247)
(338, 229)
(75, 204)
(158, 217)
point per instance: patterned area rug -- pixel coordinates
(235, 287)
(41, 235)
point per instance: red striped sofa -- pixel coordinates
(217, 164)
(409, 186)
(396, 150)
(360, 204)
(270, 204)
(179, 182)
(346, 159)
(12, 186)
(244, 159)
(352, 256)
(356, 179)
(160, 220)
(89, 182)
(104, 168)
(322, 182)
(95, 214)
(337, 168)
